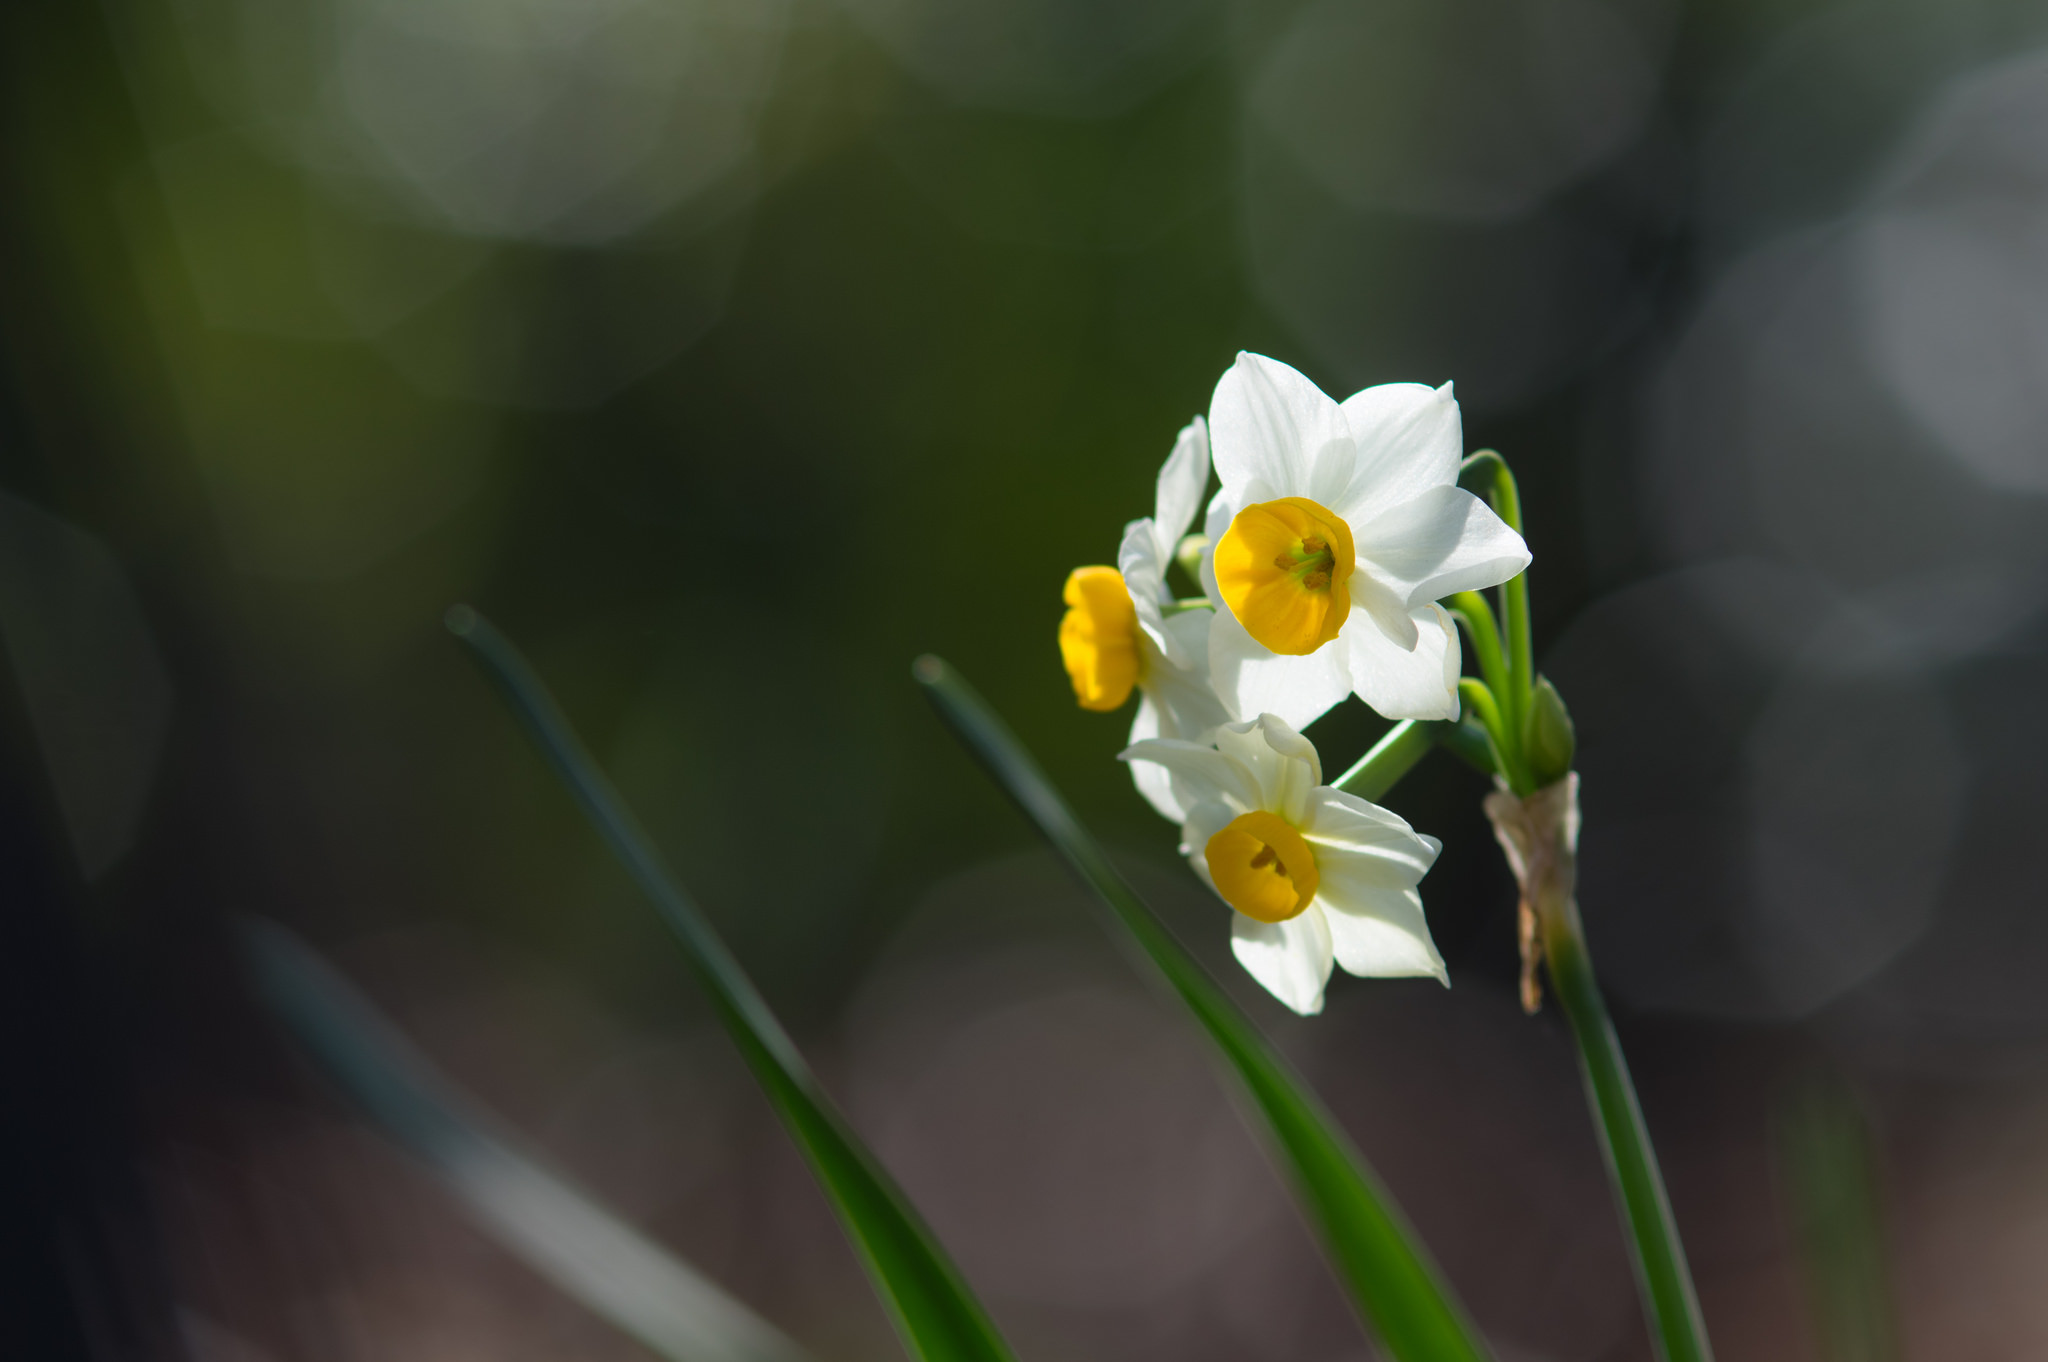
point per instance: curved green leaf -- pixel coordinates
(566, 1237)
(937, 1315)
(1375, 1252)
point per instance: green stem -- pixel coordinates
(1661, 1270)
(1631, 1161)
(1469, 743)
(1185, 604)
(1476, 615)
(1392, 757)
(1517, 696)
(1521, 661)
(1479, 702)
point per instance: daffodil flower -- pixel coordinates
(1315, 875)
(1338, 528)
(1123, 629)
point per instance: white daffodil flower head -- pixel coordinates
(1315, 875)
(1338, 527)
(1122, 630)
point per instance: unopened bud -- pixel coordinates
(1552, 743)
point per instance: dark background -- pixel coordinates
(728, 355)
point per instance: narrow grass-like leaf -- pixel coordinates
(569, 1239)
(1825, 1158)
(1375, 1252)
(937, 1315)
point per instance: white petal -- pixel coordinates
(1292, 958)
(1223, 508)
(1154, 782)
(1293, 748)
(1215, 524)
(1382, 936)
(1216, 519)
(1443, 541)
(1189, 706)
(1409, 440)
(1284, 763)
(1384, 609)
(1332, 471)
(1181, 482)
(1204, 821)
(1205, 775)
(1188, 631)
(1266, 421)
(1340, 822)
(1404, 683)
(1175, 702)
(1144, 570)
(1375, 844)
(1252, 679)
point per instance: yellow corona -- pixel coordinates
(1099, 638)
(1262, 867)
(1284, 569)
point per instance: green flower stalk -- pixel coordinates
(1536, 820)
(1540, 835)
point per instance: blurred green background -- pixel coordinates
(728, 355)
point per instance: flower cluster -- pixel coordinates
(1337, 529)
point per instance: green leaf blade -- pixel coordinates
(569, 1239)
(1374, 1251)
(937, 1315)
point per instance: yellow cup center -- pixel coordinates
(1099, 638)
(1283, 568)
(1262, 867)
